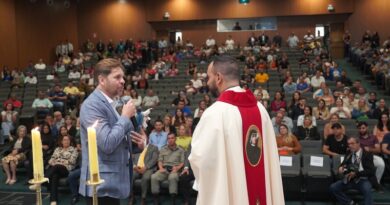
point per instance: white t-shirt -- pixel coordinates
(40, 66)
(229, 44)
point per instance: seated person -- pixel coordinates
(302, 85)
(264, 92)
(281, 118)
(74, 74)
(361, 112)
(150, 100)
(261, 77)
(183, 140)
(73, 95)
(354, 178)
(40, 65)
(386, 146)
(170, 163)
(30, 79)
(326, 96)
(289, 86)
(307, 131)
(278, 102)
(20, 147)
(382, 127)
(370, 144)
(145, 164)
(158, 137)
(342, 111)
(42, 104)
(335, 144)
(287, 143)
(61, 163)
(316, 80)
(381, 108)
(58, 98)
(8, 120)
(184, 108)
(14, 100)
(334, 118)
(321, 112)
(307, 112)
(298, 109)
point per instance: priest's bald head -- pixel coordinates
(222, 73)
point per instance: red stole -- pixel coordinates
(253, 152)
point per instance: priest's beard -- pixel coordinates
(214, 90)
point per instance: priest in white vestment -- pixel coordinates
(226, 170)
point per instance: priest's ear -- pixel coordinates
(219, 78)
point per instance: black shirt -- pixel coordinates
(339, 147)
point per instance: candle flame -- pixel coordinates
(95, 124)
(36, 129)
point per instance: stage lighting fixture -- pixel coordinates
(245, 2)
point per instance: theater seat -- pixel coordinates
(291, 176)
(317, 176)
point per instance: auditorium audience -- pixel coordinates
(357, 103)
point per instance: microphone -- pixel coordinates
(132, 119)
(135, 124)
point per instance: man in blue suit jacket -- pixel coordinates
(112, 133)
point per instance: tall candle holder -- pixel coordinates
(94, 185)
(94, 178)
(38, 184)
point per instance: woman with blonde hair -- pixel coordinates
(287, 143)
(20, 147)
(183, 139)
(361, 111)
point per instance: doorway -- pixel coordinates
(174, 35)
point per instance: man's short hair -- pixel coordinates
(158, 120)
(336, 125)
(361, 123)
(105, 66)
(227, 66)
(357, 139)
(172, 133)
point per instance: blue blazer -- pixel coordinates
(114, 147)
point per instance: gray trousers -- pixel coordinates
(145, 181)
(173, 179)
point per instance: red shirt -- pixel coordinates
(15, 103)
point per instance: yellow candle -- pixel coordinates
(37, 155)
(93, 156)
